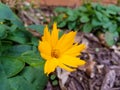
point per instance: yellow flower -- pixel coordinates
(60, 52)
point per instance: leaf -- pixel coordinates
(71, 25)
(19, 36)
(55, 82)
(83, 9)
(9, 15)
(29, 79)
(3, 32)
(111, 12)
(35, 41)
(17, 50)
(118, 29)
(72, 18)
(52, 77)
(109, 38)
(20, 83)
(95, 22)
(35, 76)
(113, 9)
(13, 28)
(27, 57)
(60, 17)
(11, 65)
(70, 12)
(99, 15)
(113, 27)
(87, 28)
(62, 24)
(5, 46)
(61, 32)
(4, 84)
(60, 9)
(38, 28)
(107, 25)
(84, 19)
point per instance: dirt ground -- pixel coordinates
(102, 71)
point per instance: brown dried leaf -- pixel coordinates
(108, 80)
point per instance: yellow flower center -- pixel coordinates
(55, 53)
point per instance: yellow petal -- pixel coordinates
(66, 41)
(46, 35)
(45, 49)
(45, 56)
(75, 50)
(54, 35)
(50, 66)
(66, 68)
(71, 61)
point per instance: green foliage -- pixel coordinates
(8, 15)
(91, 17)
(55, 82)
(38, 28)
(21, 67)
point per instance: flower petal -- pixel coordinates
(50, 66)
(45, 49)
(71, 61)
(66, 41)
(66, 67)
(54, 35)
(46, 35)
(75, 50)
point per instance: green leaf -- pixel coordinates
(87, 28)
(111, 12)
(38, 28)
(34, 41)
(109, 38)
(62, 24)
(113, 27)
(27, 57)
(9, 15)
(99, 15)
(84, 19)
(55, 82)
(11, 65)
(17, 50)
(19, 36)
(113, 9)
(95, 22)
(83, 9)
(71, 25)
(29, 79)
(34, 76)
(107, 25)
(12, 78)
(72, 18)
(5, 45)
(4, 84)
(3, 32)
(13, 28)
(118, 29)
(52, 77)
(70, 12)
(61, 32)
(60, 18)
(60, 9)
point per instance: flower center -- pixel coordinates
(55, 53)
